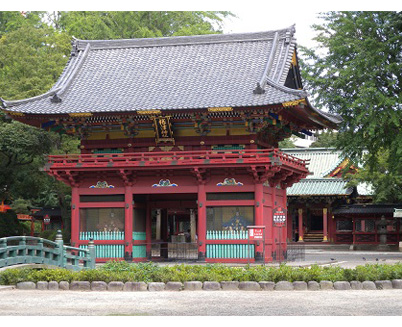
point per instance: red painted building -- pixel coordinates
(179, 142)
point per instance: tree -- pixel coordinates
(286, 143)
(357, 73)
(325, 139)
(31, 60)
(95, 25)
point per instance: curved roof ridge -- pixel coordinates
(271, 56)
(181, 40)
(73, 72)
(331, 117)
(301, 93)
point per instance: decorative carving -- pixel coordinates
(101, 184)
(229, 182)
(164, 183)
(55, 99)
(293, 103)
(202, 124)
(220, 109)
(80, 114)
(14, 113)
(130, 127)
(148, 112)
(258, 89)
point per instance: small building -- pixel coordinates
(179, 141)
(361, 224)
(50, 218)
(324, 210)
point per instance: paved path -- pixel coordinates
(202, 303)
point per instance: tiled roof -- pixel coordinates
(220, 70)
(319, 186)
(322, 160)
(356, 209)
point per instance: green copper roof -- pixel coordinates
(322, 160)
(319, 186)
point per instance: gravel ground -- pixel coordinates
(201, 303)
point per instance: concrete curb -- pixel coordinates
(206, 286)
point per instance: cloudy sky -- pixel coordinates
(252, 15)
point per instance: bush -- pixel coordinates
(10, 225)
(150, 272)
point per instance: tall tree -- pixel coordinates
(325, 139)
(139, 24)
(357, 73)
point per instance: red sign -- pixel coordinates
(279, 216)
(255, 233)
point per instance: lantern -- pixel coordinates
(46, 220)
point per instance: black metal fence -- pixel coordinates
(180, 251)
(295, 252)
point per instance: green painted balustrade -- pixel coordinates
(229, 251)
(102, 236)
(30, 250)
(139, 251)
(226, 235)
(112, 251)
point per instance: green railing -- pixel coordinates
(226, 235)
(139, 251)
(113, 251)
(16, 250)
(102, 236)
(230, 251)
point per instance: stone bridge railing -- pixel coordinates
(16, 250)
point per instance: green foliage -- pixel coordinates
(150, 272)
(95, 25)
(385, 181)
(13, 20)
(51, 235)
(31, 60)
(356, 72)
(327, 139)
(21, 206)
(286, 143)
(9, 224)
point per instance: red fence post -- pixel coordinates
(202, 221)
(128, 223)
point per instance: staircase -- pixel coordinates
(313, 237)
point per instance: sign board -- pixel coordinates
(279, 216)
(256, 233)
(46, 220)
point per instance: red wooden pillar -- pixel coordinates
(148, 229)
(33, 226)
(202, 221)
(75, 216)
(128, 223)
(259, 216)
(289, 225)
(325, 224)
(301, 227)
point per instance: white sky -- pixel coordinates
(253, 15)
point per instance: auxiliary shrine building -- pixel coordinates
(179, 143)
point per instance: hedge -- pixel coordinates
(150, 272)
